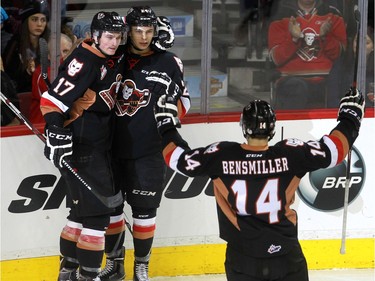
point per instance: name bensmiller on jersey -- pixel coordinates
(255, 167)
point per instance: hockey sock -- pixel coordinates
(68, 240)
(143, 236)
(142, 247)
(115, 236)
(90, 250)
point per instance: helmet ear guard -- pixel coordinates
(258, 120)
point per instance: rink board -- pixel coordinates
(33, 210)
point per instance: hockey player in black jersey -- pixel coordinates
(138, 164)
(255, 184)
(79, 111)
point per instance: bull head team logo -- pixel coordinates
(74, 67)
(130, 99)
(311, 45)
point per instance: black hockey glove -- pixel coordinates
(165, 39)
(352, 107)
(166, 113)
(160, 83)
(58, 145)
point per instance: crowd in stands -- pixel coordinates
(310, 44)
(23, 23)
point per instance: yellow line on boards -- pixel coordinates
(201, 259)
(325, 254)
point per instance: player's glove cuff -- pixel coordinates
(166, 115)
(59, 144)
(160, 84)
(352, 107)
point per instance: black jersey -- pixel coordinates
(85, 91)
(136, 133)
(255, 186)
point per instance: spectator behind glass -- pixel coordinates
(305, 38)
(21, 55)
(369, 89)
(5, 34)
(7, 88)
(39, 86)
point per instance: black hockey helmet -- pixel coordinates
(107, 21)
(142, 16)
(33, 7)
(258, 120)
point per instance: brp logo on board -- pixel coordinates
(324, 189)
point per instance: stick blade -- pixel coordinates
(113, 201)
(44, 63)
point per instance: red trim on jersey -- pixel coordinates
(167, 157)
(340, 148)
(48, 103)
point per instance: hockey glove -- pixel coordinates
(58, 145)
(352, 107)
(160, 84)
(165, 39)
(166, 112)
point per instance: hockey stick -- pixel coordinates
(128, 224)
(357, 17)
(43, 47)
(110, 202)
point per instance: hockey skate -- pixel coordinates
(114, 269)
(140, 271)
(68, 274)
(84, 278)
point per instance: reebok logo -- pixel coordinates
(274, 249)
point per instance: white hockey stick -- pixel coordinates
(357, 16)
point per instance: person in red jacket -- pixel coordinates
(38, 84)
(305, 38)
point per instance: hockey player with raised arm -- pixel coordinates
(79, 110)
(255, 183)
(138, 165)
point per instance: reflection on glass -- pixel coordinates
(292, 53)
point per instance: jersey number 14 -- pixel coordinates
(268, 201)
